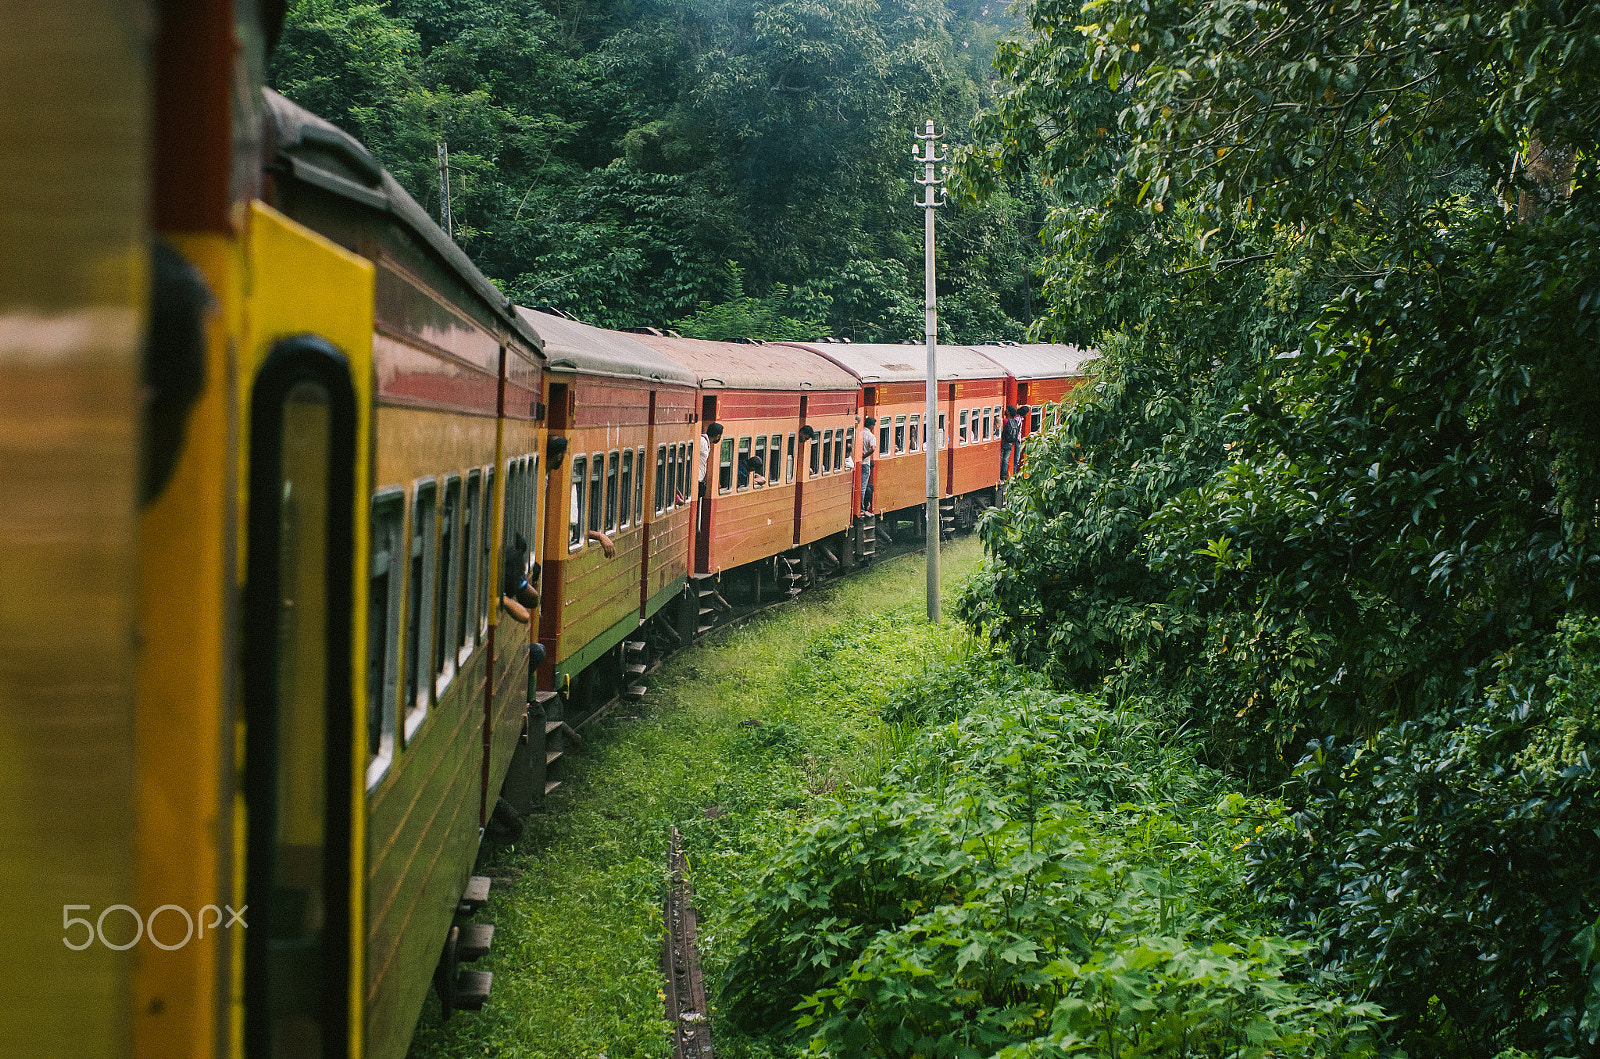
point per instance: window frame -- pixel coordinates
(899, 434)
(597, 493)
(625, 491)
(577, 518)
(743, 453)
(913, 433)
(661, 478)
(422, 546)
(613, 469)
(961, 428)
(444, 655)
(760, 449)
(467, 598)
(725, 467)
(788, 463)
(390, 680)
(827, 451)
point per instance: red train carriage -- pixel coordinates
(455, 455)
(1040, 377)
(622, 440)
(893, 388)
(793, 410)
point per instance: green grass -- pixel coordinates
(577, 901)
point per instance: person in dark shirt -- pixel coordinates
(751, 466)
(518, 596)
(1010, 435)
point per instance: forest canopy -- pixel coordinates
(698, 164)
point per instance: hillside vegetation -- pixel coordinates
(732, 169)
(1332, 504)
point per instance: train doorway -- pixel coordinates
(297, 703)
(705, 469)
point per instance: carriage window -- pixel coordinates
(580, 470)
(899, 433)
(761, 454)
(838, 449)
(677, 467)
(915, 421)
(1035, 419)
(827, 451)
(467, 598)
(850, 442)
(744, 463)
(597, 477)
(485, 543)
(815, 459)
(941, 430)
(788, 472)
(961, 428)
(625, 517)
(725, 466)
(661, 478)
(611, 492)
(533, 505)
(638, 485)
(383, 629)
(985, 424)
(419, 637)
(444, 610)
(883, 436)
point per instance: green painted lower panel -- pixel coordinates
(579, 660)
(662, 598)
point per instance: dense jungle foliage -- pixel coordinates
(729, 169)
(1332, 502)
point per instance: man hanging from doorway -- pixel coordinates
(708, 441)
(1010, 433)
(869, 449)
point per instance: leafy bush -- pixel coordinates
(1041, 876)
(1450, 861)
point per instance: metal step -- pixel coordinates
(542, 697)
(634, 670)
(472, 990)
(475, 896)
(552, 727)
(634, 692)
(701, 630)
(550, 787)
(633, 647)
(474, 940)
(551, 757)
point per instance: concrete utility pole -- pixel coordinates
(933, 191)
(444, 188)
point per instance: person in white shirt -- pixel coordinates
(869, 449)
(712, 435)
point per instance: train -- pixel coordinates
(280, 452)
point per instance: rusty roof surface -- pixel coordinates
(573, 346)
(875, 362)
(741, 366)
(1041, 360)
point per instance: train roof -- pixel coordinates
(1043, 360)
(324, 155)
(743, 366)
(569, 344)
(884, 362)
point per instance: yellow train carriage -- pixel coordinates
(455, 378)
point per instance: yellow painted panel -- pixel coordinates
(299, 283)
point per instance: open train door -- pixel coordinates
(306, 378)
(705, 492)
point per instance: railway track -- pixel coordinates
(685, 989)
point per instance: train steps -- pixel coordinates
(869, 537)
(460, 989)
(710, 603)
(947, 519)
